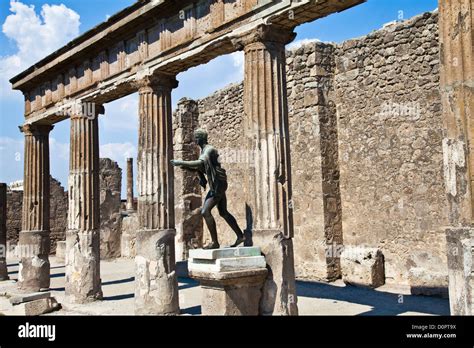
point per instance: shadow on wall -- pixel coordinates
(382, 303)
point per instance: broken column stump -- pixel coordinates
(231, 279)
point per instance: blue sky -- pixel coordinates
(22, 45)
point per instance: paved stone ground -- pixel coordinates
(313, 298)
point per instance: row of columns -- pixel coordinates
(156, 281)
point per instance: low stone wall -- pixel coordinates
(110, 184)
(58, 214)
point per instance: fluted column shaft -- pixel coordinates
(266, 110)
(34, 240)
(130, 205)
(269, 193)
(156, 287)
(3, 232)
(456, 34)
(155, 151)
(83, 240)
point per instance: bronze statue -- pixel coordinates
(208, 165)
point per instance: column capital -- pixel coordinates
(88, 110)
(156, 81)
(264, 36)
(36, 129)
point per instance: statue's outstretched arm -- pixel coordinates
(192, 165)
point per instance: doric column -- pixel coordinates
(457, 92)
(130, 205)
(156, 282)
(266, 113)
(83, 283)
(3, 232)
(34, 243)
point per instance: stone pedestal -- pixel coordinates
(231, 279)
(231, 293)
(3, 232)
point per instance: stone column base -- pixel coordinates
(61, 251)
(33, 251)
(231, 293)
(279, 291)
(83, 283)
(156, 286)
(460, 244)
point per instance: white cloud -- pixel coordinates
(119, 152)
(298, 43)
(58, 150)
(121, 114)
(35, 36)
(11, 159)
(238, 59)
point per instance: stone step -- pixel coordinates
(222, 253)
(16, 299)
(227, 264)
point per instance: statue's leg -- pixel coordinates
(210, 203)
(229, 218)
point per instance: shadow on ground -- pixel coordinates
(382, 303)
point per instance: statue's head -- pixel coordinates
(200, 136)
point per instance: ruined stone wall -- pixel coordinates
(188, 199)
(110, 191)
(58, 213)
(110, 201)
(390, 144)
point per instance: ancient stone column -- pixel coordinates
(3, 232)
(34, 242)
(266, 124)
(156, 289)
(188, 199)
(83, 283)
(130, 205)
(457, 93)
